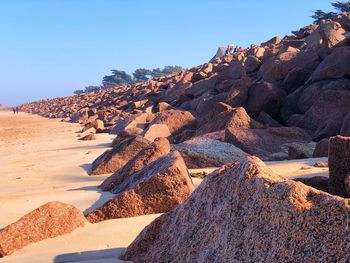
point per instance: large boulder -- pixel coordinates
(265, 142)
(80, 116)
(308, 94)
(47, 221)
(223, 116)
(238, 93)
(339, 165)
(299, 150)
(205, 151)
(202, 86)
(157, 188)
(125, 135)
(345, 128)
(324, 112)
(114, 159)
(334, 66)
(147, 155)
(300, 69)
(252, 64)
(244, 212)
(235, 70)
(133, 121)
(176, 120)
(267, 120)
(264, 96)
(277, 68)
(326, 115)
(321, 149)
(156, 131)
(326, 36)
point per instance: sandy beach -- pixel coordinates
(42, 160)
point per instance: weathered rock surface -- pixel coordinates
(147, 155)
(339, 165)
(300, 150)
(328, 105)
(333, 66)
(321, 149)
(253, 215)
(264, 96)
(114, 159)
(47, 221)
(267, 120)
(138, 120)
(205, 151)
(265, 142)
(318, 182)
(225, 116)
(156, 131)
(157, 188)
(176, 120)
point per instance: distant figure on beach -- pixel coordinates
(15, 110)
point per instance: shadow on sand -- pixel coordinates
(104, 197)
(89, 147)
(105, 255)
(87, 167)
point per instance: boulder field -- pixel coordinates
(286, 98)
(300, 80)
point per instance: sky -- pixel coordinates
(49, 48)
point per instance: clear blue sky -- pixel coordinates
(50, 48)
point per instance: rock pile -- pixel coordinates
(274, 101)
(300, 80)
(156, 188)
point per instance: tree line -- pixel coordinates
(339, 6)
(120, 77)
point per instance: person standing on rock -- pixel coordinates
(229, 50)
(14, 110)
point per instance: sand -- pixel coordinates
(42, 160)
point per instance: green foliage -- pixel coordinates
(118, 77)
(87, 89)
(171, 69)
(142, 74)
(157, 72)
(339, 6)
(342, 6)
(78, 91)
(92, 88)
(319, 15)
